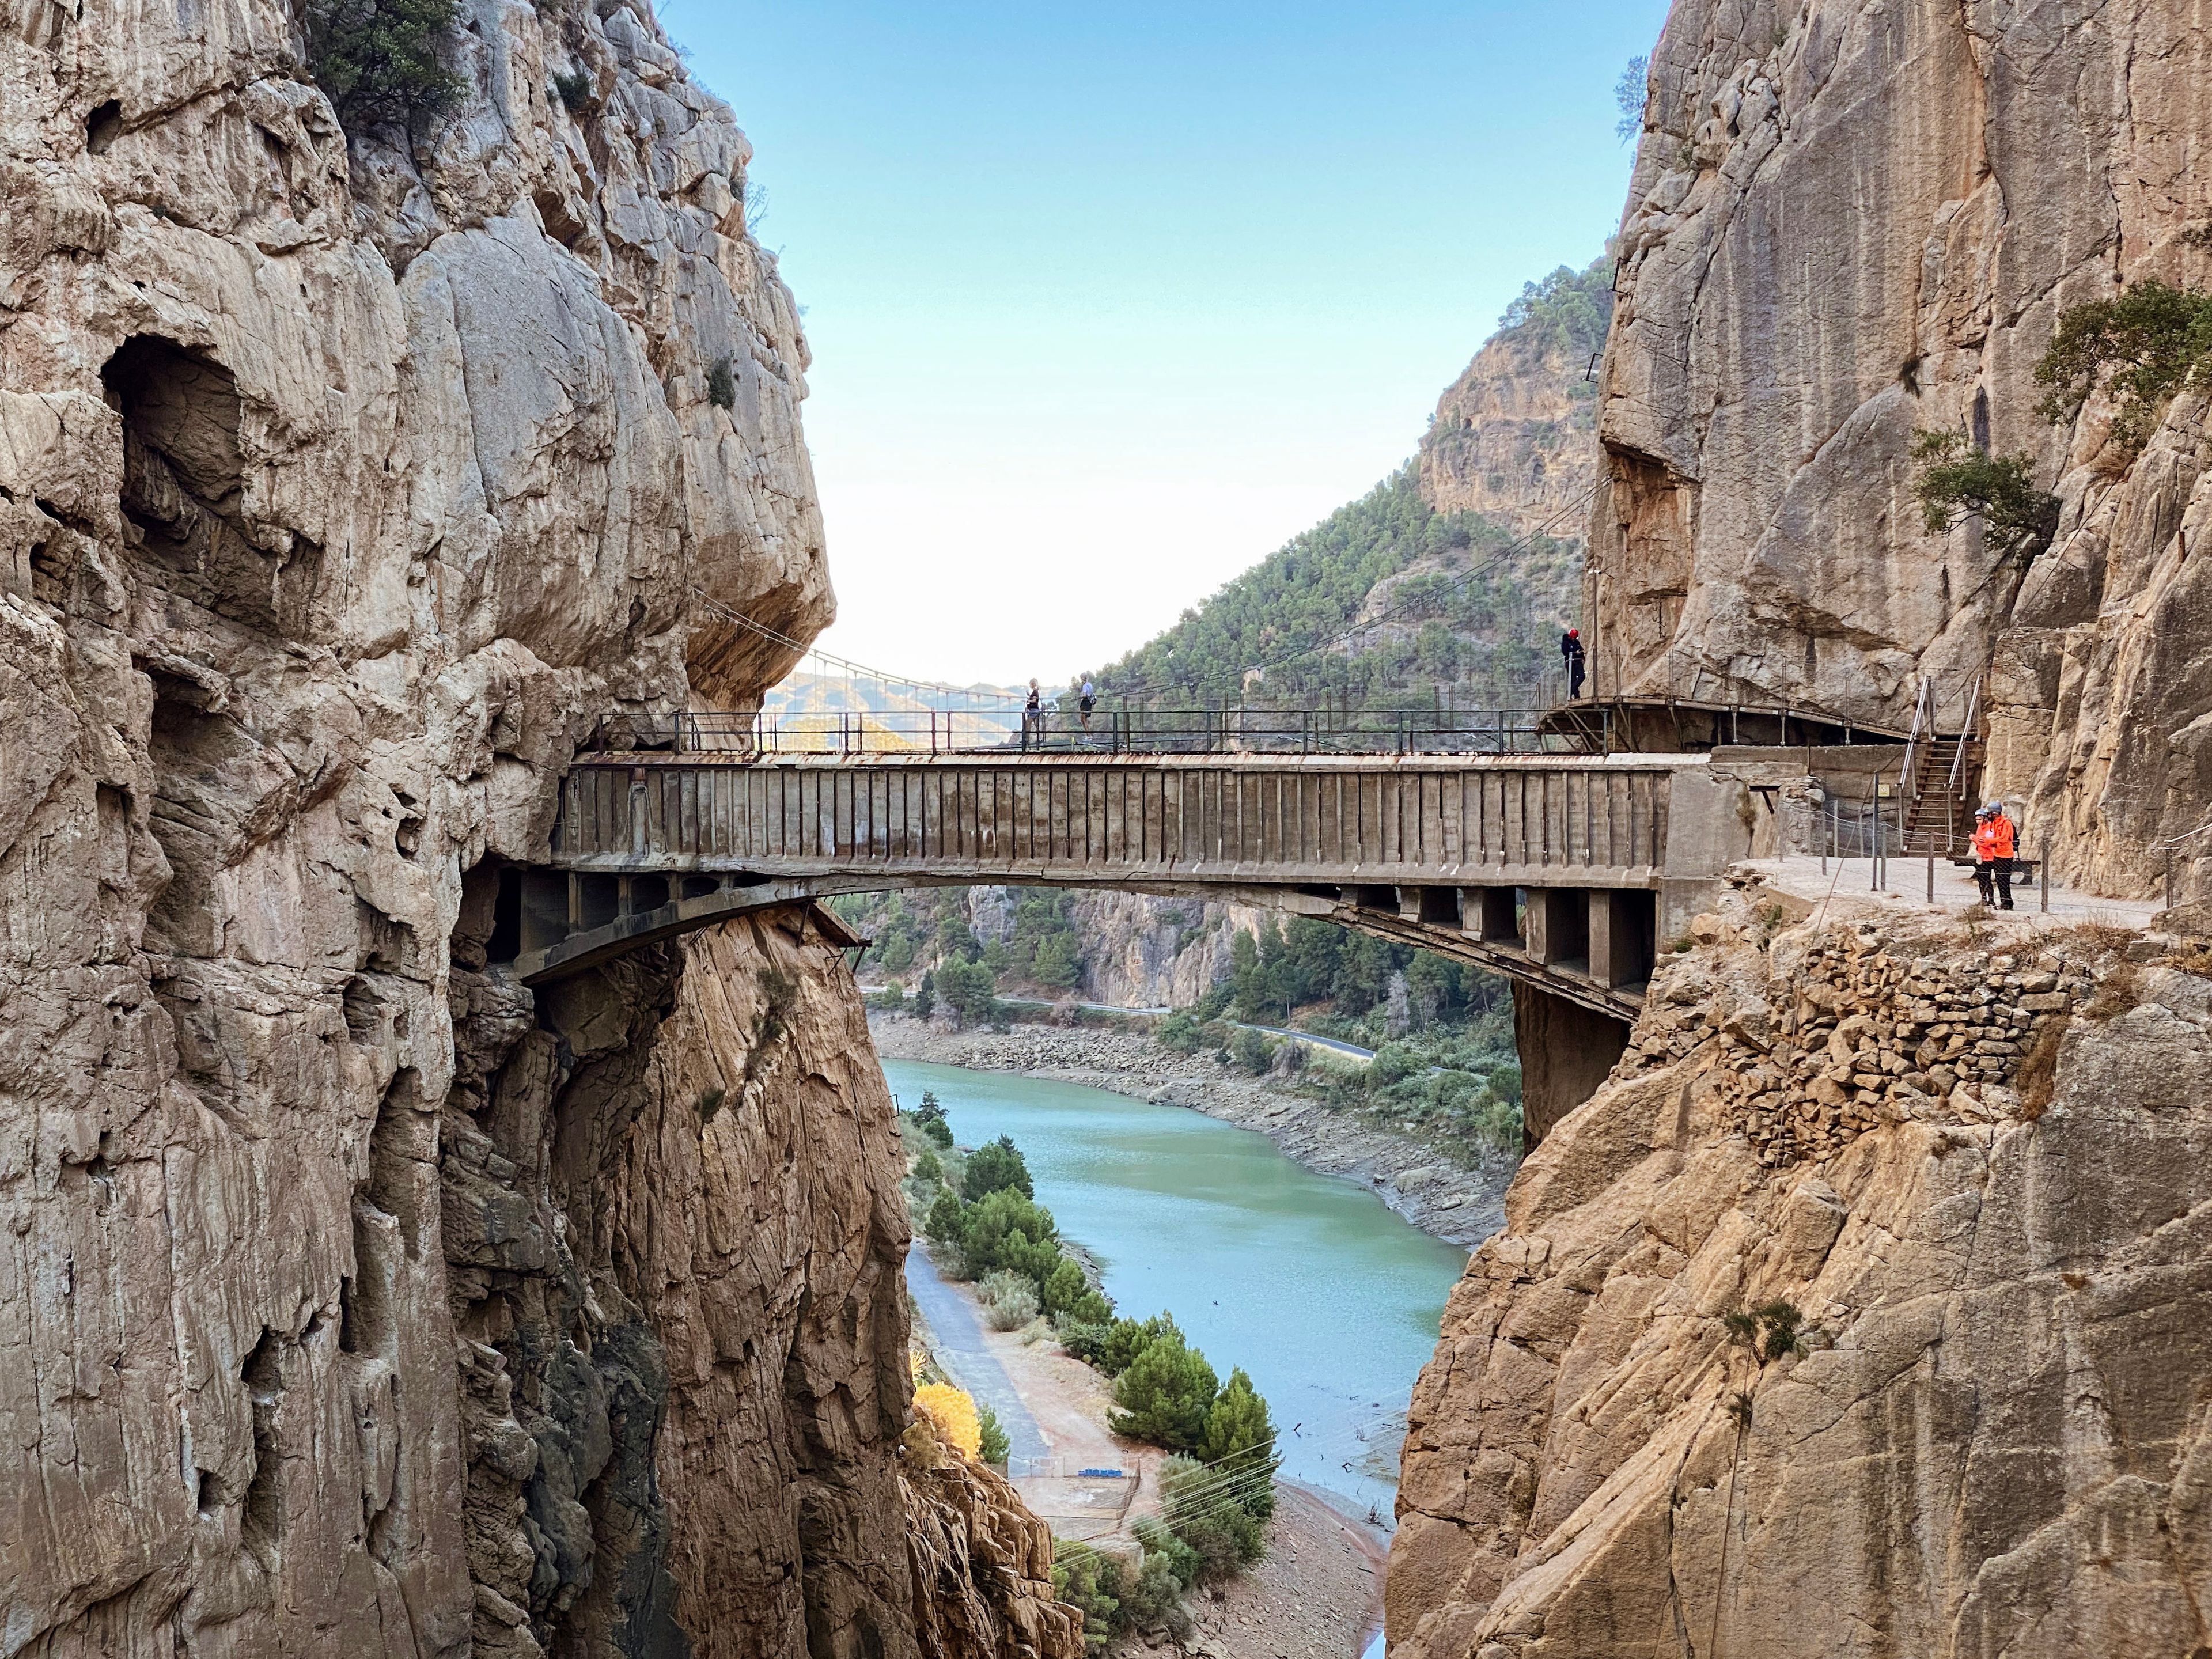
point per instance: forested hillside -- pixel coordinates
(1452, 578)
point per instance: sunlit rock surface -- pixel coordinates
(1851, 220)
(353, 1299)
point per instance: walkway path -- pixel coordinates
(963, 1351)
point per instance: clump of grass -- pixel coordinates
(574, 91)
(1772, 1331)
(2119, 990)
(711, 1103)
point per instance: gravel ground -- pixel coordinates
(1463, 1205)
(1317, 1594)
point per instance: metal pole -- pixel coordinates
(1931, 877)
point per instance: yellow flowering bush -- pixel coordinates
(952, 1414)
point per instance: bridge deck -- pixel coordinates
(1278, 819)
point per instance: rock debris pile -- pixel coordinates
(1877, 1032)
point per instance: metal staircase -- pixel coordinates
(1941, 775)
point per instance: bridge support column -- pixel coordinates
(1565, 1049)
(1491, 915)
(1559, 925)
(545, 918)
(1622, 923)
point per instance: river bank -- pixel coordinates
(1315, 1595)
(1459, 1204)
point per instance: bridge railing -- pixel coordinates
(1232, 729)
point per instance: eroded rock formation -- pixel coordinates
(1849, 220)
(1864, 1310)
(354, 1299)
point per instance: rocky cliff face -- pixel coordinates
(1142, 952)
(1515, 437)
(354, 1299)
(1862, 1311)
(1851, 220)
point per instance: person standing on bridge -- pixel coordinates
(1571, 649)
(1994, 846)
(1033, 717)
(1085, 701)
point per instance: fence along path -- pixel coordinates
(1272, 819)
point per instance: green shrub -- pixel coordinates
(1252, 1050)
(1956, 481)
(1204, 1510)
(1093, 1582)
(1154, 1596)
(925, 997)
(1004, 1229)
(995, 1446)
(930, 1117)
(1084, 1338)
(998, 1167)
(929, 1169)
(2151, 339)
(722, 384)
(947, 1219)
(968, 988)
(1128, 1338)
(573, 90)
(381, 61)
(1064, 1286)
(1238, 1422)
(1010, 1299)
(1164, 1394)
(1179, 1031)
(1157, 1539)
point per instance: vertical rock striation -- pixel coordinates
(1849, 220)
(352, 1298)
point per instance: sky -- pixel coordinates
(1106, 303)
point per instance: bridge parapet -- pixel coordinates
(1203, 820)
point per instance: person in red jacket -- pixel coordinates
(1994, 846)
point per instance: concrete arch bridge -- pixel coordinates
(1565, 873)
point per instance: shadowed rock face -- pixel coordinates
(353, 1300)
(1988, 1434)
(1848, 220)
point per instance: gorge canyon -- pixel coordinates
(355, 1298)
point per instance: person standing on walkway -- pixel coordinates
(1033, 717)
(1994, 846)
(1085, 701)
(1571, 649)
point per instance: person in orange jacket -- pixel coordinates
(1994, 846)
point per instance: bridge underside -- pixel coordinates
(1592, 946)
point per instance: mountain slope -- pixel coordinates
(1452, 576)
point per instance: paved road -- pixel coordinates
(963, 1354)
(1352, 1048)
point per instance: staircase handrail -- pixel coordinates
(1906, 777)
(1959, 774)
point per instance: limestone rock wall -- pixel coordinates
(1144, 952)
(1863, 1310)
(1851, 219)
(351, 1300)
(1514, 438)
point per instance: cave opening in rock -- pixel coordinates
(183, 486)
(103, 126)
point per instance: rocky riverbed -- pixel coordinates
(1441, 1196)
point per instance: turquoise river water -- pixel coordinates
(1326, 1298)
